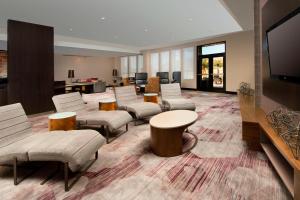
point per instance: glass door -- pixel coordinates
(218, 76)
(211, 68)
(203, 76)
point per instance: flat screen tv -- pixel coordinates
(283, 43)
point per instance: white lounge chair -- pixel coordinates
(19, 144)
(111, 121)
(172, 98)
(127, 99)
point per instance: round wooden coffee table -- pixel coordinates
(167, 129)
(151, 97)
(62, 121)
(108, 104)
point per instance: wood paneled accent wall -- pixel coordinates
(282, 92)
(3, 78)
(30, 65)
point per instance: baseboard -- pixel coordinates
(230, 92)
(189, 89)
(226, 92)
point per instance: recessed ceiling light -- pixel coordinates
(145, 30)
(103, 18)
(70, 29)
(190, 19)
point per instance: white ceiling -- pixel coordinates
(134, 23)
(243, 12)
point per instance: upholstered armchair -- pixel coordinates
(99, 87)
(125, 81)
(153, 85)
(163, 77)
(141, 78)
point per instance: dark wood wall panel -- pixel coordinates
(30, 66)
(282, 92)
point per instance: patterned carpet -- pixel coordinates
(219, 167)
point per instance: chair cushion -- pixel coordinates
(75, 147)
(113, 119)
(179, 104)
(13, 150)
(143, 109)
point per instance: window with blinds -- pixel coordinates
(124, 67)
(175, 60)
(132, 66)
(188, 63)
(154, 63)
(140, 63)
(164, 61)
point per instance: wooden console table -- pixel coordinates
(259, 134)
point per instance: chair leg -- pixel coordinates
(66, 176)
(126, 127)
(15, 166)
(106, 134)
(96, 155)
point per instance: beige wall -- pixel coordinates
(85, 67)
(239, 59)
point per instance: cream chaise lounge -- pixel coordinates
(110, 120)
(127, 99)
(19, 144)
(172, 99)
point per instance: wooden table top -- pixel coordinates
(62, 115)
(108, 100)
(150, 94)
(173, 119)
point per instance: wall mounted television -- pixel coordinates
(283, 45)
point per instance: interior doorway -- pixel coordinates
(211, 67)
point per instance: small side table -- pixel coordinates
(151, 97)
(62, 121)
(108, 104)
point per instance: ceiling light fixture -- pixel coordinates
(102, 18)
(190, 19)
(145, 30)
(70, 29)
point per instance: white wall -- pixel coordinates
(85, 67)
(239, 59)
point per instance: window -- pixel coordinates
(154, 63)
(164, 61)
(175, 60)
(188, 63)
(140, 63)
(124, 67)
(132, 66)
(213, 49)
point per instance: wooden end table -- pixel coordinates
(151, 97)
(108, 104)
(167, 129)
(62, 121)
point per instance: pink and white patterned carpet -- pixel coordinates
(219, 167)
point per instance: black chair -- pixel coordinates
(163, 77)
(141, 78)
(176, 76)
